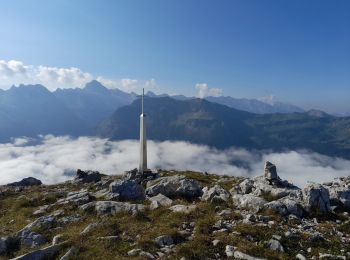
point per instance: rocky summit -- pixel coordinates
(175, 215)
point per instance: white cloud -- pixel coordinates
(54, 159)
(129, 84)
(16, 72)
(204, 90)
(12, 68)
(64, 77)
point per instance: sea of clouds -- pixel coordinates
(55, 159)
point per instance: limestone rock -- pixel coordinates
(87, 176)
(300, 257)
(71, 253)
(275, 245)
(164, 240)
(140, 177)
(249, 201)
(30, 238)
(146, 255)
(246, 186)
(77, 198)
(270, 171)
(90, 227)
(240, 255)
(57, 239)
(114, 207)
(215, 194)
(174, 186)
(26, 182)
(45, 253)
(134, 252)
(229, 250)
(159, 201)
(339, 192)
(46, 222)
(69, 219)
(316, 197)
(286, 206)
(277, 189)
(127, 190)
(183, 208)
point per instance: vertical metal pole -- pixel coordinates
(143, 138)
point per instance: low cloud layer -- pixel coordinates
(17, 72)
(55, 159)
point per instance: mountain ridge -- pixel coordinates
(203, 122)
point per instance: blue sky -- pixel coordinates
(298, 51)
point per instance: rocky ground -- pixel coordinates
(175, 215)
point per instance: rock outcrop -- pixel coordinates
(270, 172)
(339, 192)
(160, 201)
(215, 194)
(87, 176)
(26, 182)
(127, 190)
(174, 187)
(114, 207)
(316, 198)
(261, 217)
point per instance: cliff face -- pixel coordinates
(170, 214)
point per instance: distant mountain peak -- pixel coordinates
(317, 113)
(29, 87)
(271, 100)
(95, 85)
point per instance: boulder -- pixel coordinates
(46, 222)
(276, 189)
(215, 194)
(87, 176)
(159, 201)
(30, 238)
(339, 192)
(26, 182)
(114, 207)
(286, 206)
(164, 240)
(127, 190)
(246, 186)
(316, 197)
(249, 201)
(275, 245)
(174, 186)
